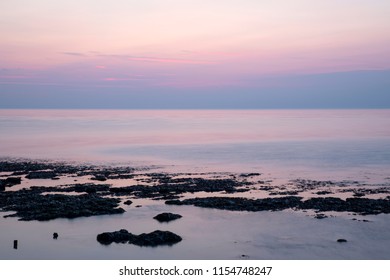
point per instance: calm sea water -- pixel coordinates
(279, 140)
(281, 144)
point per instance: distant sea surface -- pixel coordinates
(277, 140)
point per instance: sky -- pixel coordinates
(194, 54)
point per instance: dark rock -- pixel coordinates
(323, 192)
(249, 174)
(167, 217)
(99, 178)
(121, 236)
(320, 216)
(363, 206)
(128, 202)
(32, 205)
(10, 181)
(156, 238)
(341, 240)
(171, 186)
(152, 239)
(358, 194)
(41, 175)
(55, 235)
(241, 204)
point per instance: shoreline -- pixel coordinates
(227, 191)
(85, 191)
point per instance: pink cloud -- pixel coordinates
(100, 67)
(111, 79)
(169, 60)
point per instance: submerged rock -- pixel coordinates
(152, 239)
(167, 217)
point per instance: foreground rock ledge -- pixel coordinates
(32, 205)
(152, 239)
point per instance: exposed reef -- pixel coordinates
(363, 206)
(227, 191)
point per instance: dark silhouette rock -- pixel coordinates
(120, 236)
(10, 181)
(320, 216)
(55, 235)
(32, 205)
(167, 217)
(128, 202)
(341, 240)
(99, 178)
(363, 206)
(41, 175)
(155, 238)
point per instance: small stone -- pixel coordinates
(55, 235)
(320, 216)
(341, 240)
(128, 202)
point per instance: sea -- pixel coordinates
(281, 144)
(217, 139)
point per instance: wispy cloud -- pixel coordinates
(127, 78)
(169, 60)
(74, 53)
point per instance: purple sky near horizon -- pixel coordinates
(177, 49)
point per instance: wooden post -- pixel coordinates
(15, 244)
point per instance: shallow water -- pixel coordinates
(281, 144)
(206, 233)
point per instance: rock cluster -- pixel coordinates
(31, 205)
(152, 239)
(363, 206)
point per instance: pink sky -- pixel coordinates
(188, 43)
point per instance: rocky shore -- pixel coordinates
(228, 191)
